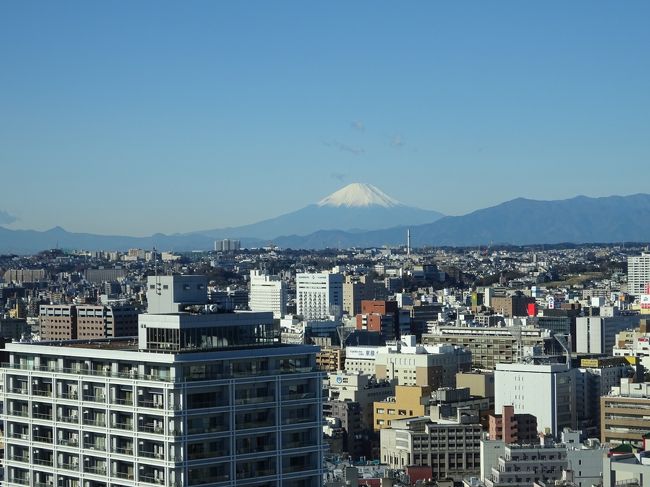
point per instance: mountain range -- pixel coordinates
(361, 215)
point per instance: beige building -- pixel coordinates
(408, 402)
(361, 388)
(58, 322)
(331, 359)
(357, 289)
(625, 413)
(480, 383)
(450, 446)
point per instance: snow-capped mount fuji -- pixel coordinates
(359, 195)
(355, 207)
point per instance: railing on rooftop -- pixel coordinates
(150, 377)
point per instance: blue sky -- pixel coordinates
(150, 116)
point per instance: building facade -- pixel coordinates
(267, 293)
(319, 295)
(197, 399)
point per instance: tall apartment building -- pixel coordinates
(267, 293)
(319, 295)
(544, 390)
(625, 413)
(197, 399)
(227, 245)
(638, 274)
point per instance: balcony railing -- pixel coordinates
(123, 450)
(123, 475)
(19, 480)
(151, 404)
(95, 446)
(47, 416)
(151, 480)
(150, 454)
(83, 371)
(69, 419)
(18, 458)
(19, 435)
(149, 428)
(42, 392)
(123, 401)
(42, 439)
(43, 461)
(69, 395)
(69, 466)
(123, 426)
(95, 470)
(95, 398)
(95, 422)
(68, 442)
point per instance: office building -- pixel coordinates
(197, 399)
(597, 334)
(625, 413)
(450, 446)
(97, 321)
(544, 390)
(267, 293)
(491, 345)
(638, 274)
(319, 295)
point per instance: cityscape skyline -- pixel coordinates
(419, 101)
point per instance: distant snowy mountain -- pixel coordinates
(356, 207)
(359, 194)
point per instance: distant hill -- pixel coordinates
(518, 222)
(356, 207)
(32, 241)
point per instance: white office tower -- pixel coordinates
(638, 274)
(195, 400)
(268, 293)
(319, 295)
(543, 390)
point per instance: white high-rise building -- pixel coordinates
(319, 295)
(197, 399)
(268, 293)
(638, 274)
(543, 390)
